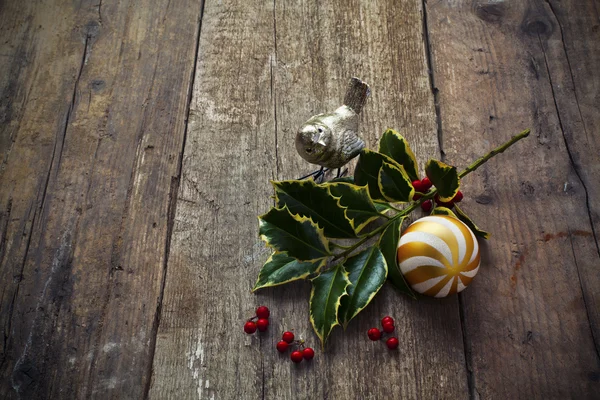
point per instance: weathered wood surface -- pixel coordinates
(93, 104)
(263, 71)
(500, 67)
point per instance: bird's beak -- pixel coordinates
(318, 138)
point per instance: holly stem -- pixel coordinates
(500, 149)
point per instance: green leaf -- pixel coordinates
(281, 268)
(295, 234)
(465, 218)
(367, 273)
(388, 244)
(328, 288)
(359, 206)
(395, 146)
(394, 184)
(382, 206)
(343, 179)
(444, 177)
(367, 171)
(443, 211)
(311, 200)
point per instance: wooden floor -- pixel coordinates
(137, 141)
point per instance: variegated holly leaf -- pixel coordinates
(280, 268)
(367, 171)
(367, 273)
(328, 288)
(359, 206)
(443, 211)
(343, 179)
(388, 244)
(394, 184)
(311, 200)
(395, 146)
(445, 179)
(299, 236)
(465, 218)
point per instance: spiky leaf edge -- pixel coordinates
(323, 262)
(300, 219)
(346, 319)
(337, 307)
(302, 183)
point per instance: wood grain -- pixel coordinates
(498, 67)
(263, 70)
(91, 140)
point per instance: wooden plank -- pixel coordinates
(573, 62)
(230, 155)
(497, 66)
(87, 190)
(262, 71)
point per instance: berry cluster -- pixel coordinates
(422, 187)
(387, 324)
(297, 356)
(262, 321)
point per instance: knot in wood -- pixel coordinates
(537, 25)
(491, 10)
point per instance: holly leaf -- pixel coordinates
(444, 177)
(343, 179)
(443, 211)
(395, 146)
(297, 235)
(382, 206)
(367, 272)
(367, 171)
(311, 200)
(359, 206)
(328, 288)
(394, 184)
(388, 245)
(280, 268)
(465, 218)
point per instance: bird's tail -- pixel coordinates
(357, 94)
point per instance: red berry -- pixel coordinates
(418, 186)
(388, 327)
(263, 312)
(250, 327)
(374, 334)
(426, 205)
(288, 337)
(426, 183)
(457, 197)
(282, 346)
(308, 353)
(392, 343)
(296, 356)
(262, 324)
(416, 197)
(387, 319)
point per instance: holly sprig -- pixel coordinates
(343, 235)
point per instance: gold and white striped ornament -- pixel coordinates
(438, 255)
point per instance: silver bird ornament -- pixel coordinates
(331, 140)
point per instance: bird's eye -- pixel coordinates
(320, 130)
(308, 150)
